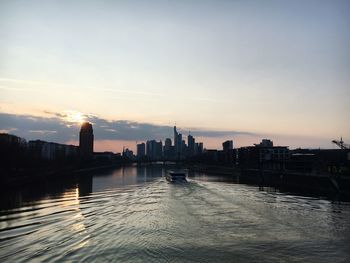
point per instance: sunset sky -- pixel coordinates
(241, 70)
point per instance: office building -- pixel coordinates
(141, 150)
(191, 145)
(168, 151)
(154, 150)
(86, 141)
(227, 145)
(264, 155)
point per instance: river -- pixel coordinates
(133, 214)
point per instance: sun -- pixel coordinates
(74, 117)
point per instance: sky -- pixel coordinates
(241, 70)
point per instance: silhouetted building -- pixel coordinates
(265, 143)
(209, 156)
(12, 151)
(198, 148)
(150, 145)
(227, 145)
(178, 144)
(263, 156)
(107, 157)
(86, 141)
(128, 154)
(168, 151)
(228, 155)
(317, 161)
(191, 145)
(175, 138)
(159, 150)
(11, 140)
(183, 149)
(141, 151)
(167, 143)
(51, 151)
(154, 150)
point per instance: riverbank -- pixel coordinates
(26, 177)
(213, 169)
(288, 181)
(322, 184)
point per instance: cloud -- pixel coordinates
(33, 127)
(42, 131)
(57, 128)
(9, 130)
(218, 134)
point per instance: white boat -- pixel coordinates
(176, 176)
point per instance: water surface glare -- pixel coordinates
(134, 215)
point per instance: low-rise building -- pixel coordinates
(263, 156)
(51, 151)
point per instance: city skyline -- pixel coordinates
(116, 135)
(224, 70)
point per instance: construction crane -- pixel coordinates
(341, 144)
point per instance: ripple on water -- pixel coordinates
(201, 221)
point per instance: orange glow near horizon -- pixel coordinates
(115, 146)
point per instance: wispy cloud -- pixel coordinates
(42, 131)
(116, 92)
(10, 84)
(132, 92)
(31, 82)
(217, 134)
(111, 130)
(12, 88)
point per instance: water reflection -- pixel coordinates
(25, 195)
(133, 214)
(115, 178)
(86, 184)
(126, 176)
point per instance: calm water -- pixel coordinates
(134, 215)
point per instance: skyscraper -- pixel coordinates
(168, 151)
(154, 150)
(179, 146)
(175, 138)
(86, 141)
(167, 144)
(191, 145)
(177, 143)
(198, 149)
(150, 149)
(159, 150)
(141, 151)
